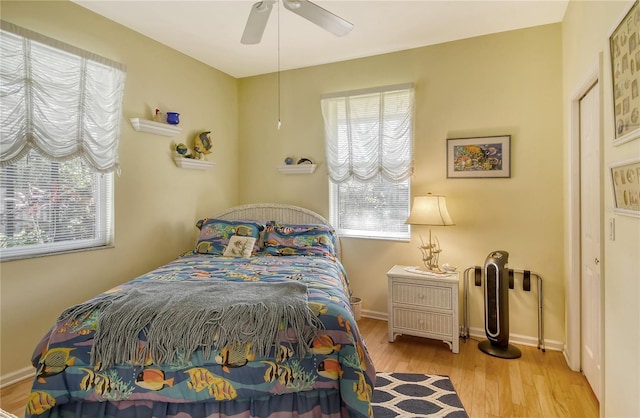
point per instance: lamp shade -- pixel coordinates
(429, 210)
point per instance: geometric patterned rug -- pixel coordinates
(415, 395)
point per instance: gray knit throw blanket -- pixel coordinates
(177, 318)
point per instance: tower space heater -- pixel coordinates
(496, 307)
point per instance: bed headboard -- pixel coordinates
(282, 213)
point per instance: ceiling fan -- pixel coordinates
(261, 10)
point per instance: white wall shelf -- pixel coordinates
(157, 128)
(297, 169)
(192, 163)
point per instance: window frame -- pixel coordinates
(103, 226)
(334, 219)
(335, 124)
(80, 125)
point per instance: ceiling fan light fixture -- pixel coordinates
(315, 14)
(263, 6)
(292, 4)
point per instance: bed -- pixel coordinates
(255, 321)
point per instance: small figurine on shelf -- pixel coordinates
(182, 150)
(202, 144)
(173, 118)
(157, 116)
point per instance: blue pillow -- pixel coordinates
(304, 239)
(216, 233)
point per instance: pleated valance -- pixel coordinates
(60, 100)
(369, 133)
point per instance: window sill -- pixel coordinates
(373, 237)
(29, 256)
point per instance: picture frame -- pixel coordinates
(479, 157)
(624, 54)
(625, 179)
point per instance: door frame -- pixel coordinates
(572, 351)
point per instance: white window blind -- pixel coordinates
(369, 148)
(51, 207)
(60, 113)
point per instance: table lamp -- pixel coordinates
(430, 210)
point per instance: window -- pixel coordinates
(369, 140)
(60, 113)
(50, 206)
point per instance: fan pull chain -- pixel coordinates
(279, 101)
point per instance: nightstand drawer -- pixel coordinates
(421, 321)
(422, 295)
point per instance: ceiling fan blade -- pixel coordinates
(257, 21)
(321, 17)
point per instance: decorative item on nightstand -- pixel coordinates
(430, 210)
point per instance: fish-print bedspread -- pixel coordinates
(334, 379)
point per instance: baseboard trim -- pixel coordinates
(478, 333)
(17, 376)
(375, 315)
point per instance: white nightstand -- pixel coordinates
(424, 306)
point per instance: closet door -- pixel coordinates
(590, 225)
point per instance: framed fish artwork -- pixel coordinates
(481, 157)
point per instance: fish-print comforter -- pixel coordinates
(334, 379)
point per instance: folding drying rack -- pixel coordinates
(526, 286)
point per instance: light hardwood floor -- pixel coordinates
(536, 385)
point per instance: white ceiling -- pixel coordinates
(210, 30)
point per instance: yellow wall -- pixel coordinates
(517, 83)
(156, 203)
(586, 29)
(502, 84)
